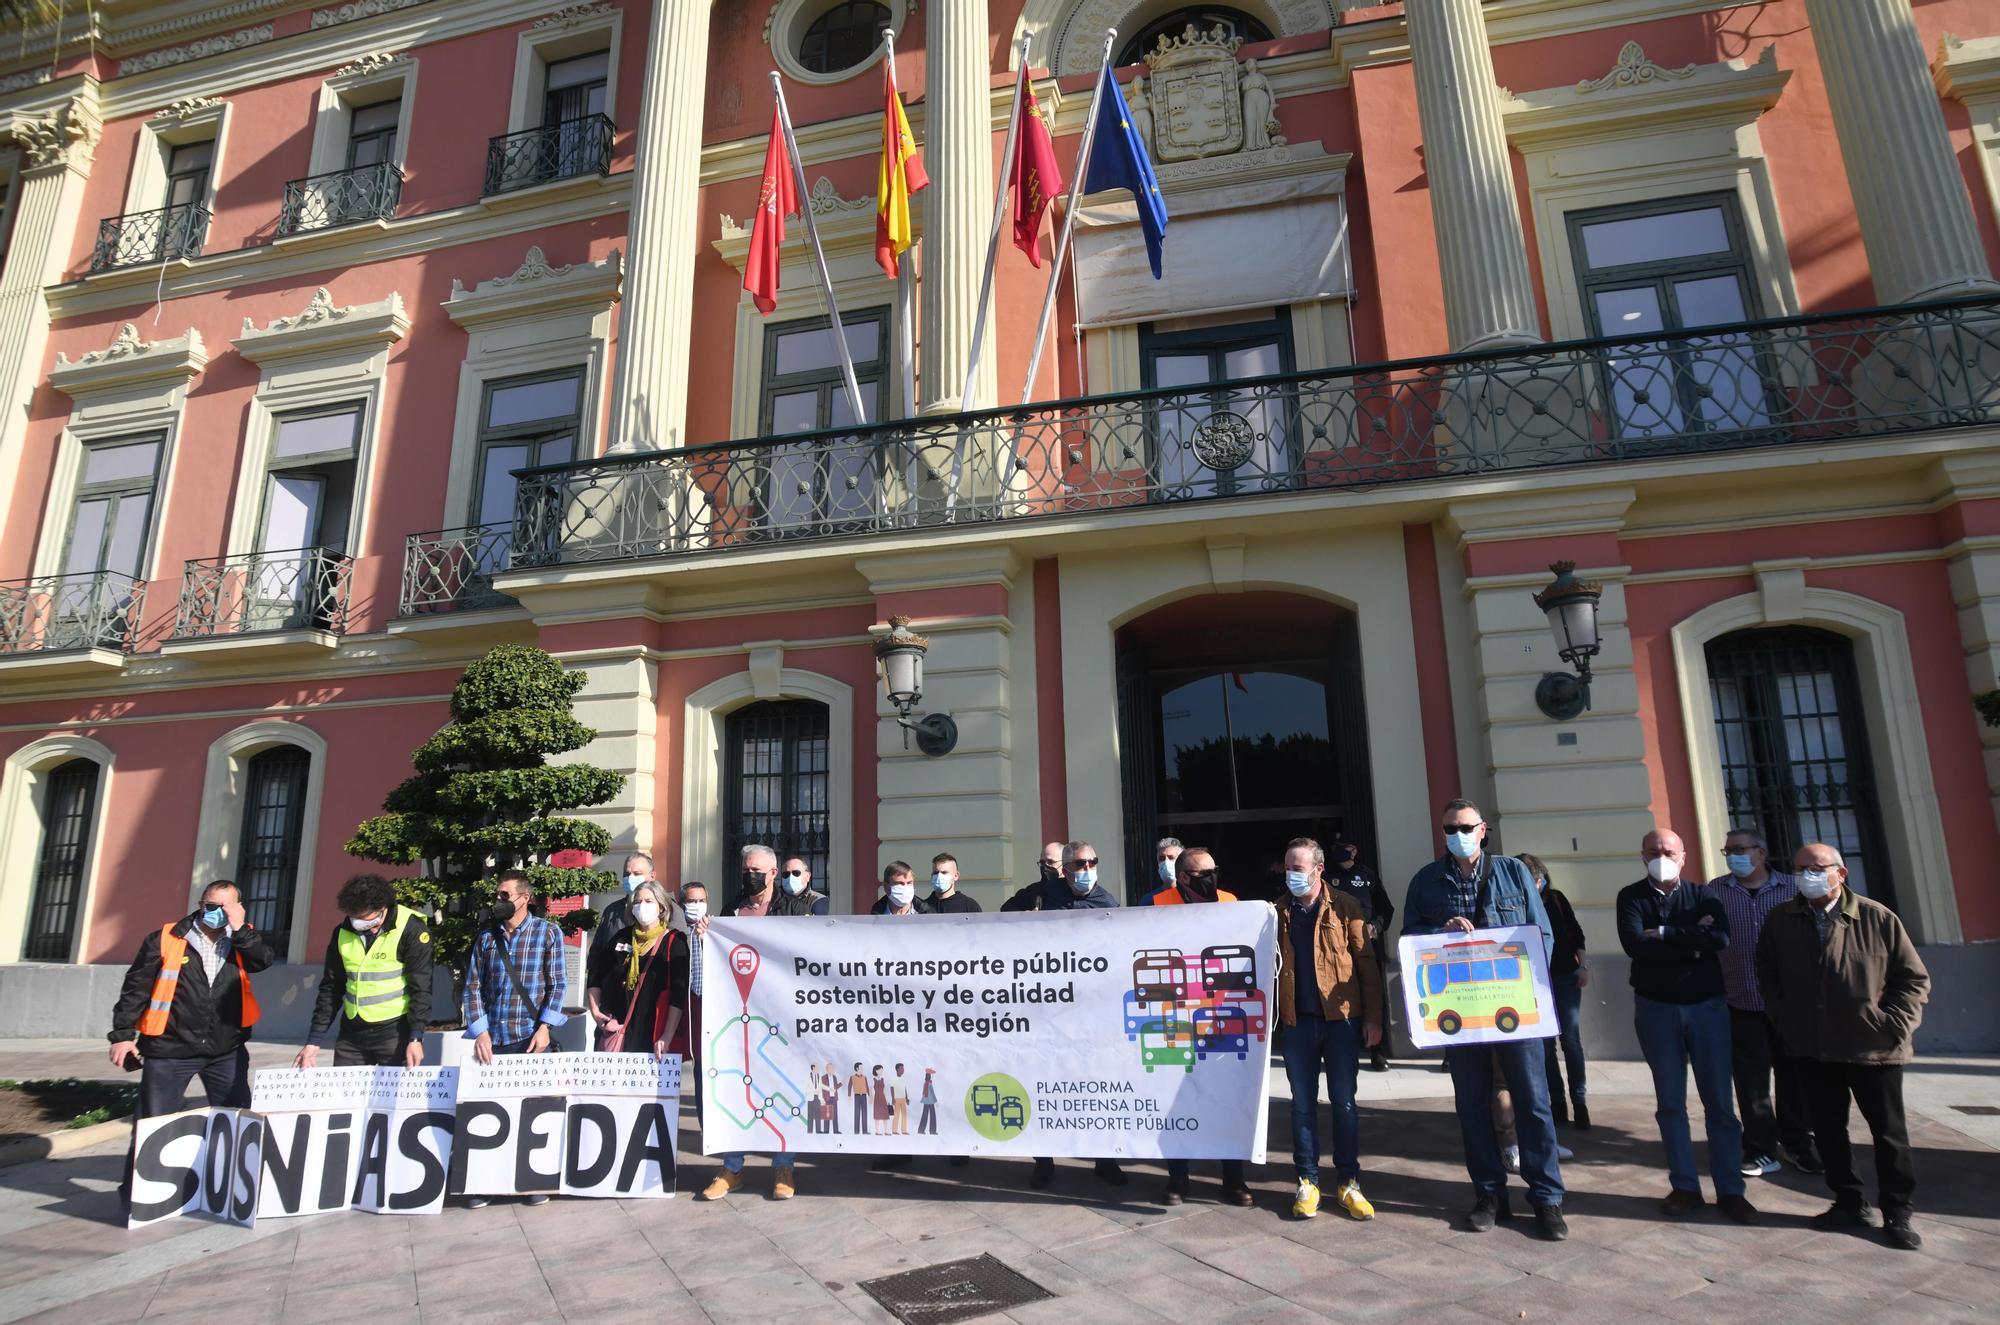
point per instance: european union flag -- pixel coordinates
(1118, 160)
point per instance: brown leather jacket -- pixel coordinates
(1350, 983)
(1857, 998)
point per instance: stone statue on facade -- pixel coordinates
(1141, 110)
(1260, 122)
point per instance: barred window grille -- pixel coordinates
(69, 803)
(777, 783)
(273, 817)
(1794, 747)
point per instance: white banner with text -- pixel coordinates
(366, 1138)
(578, 1124)
(1140, 1033)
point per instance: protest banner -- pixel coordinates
(202, 1161)
(368, 1138)
(1484, 987)
(1139, 1033)
(578, 1124)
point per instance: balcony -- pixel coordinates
(137, 238)
(1809, 381)
(69, 623)
(341, 197)
(271, 602)
(564, 150)
(451, 570)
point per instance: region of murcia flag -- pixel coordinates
(902, 173)
(777, 198)
(1033, 174)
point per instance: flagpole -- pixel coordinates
(819, 254)
(1069, 218)
(993, 236)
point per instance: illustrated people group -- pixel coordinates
(1789, 997)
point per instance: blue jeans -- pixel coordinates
(1311, 1045)
(1521, 1064)
(1568, 1045)
(1673, 1036)
(734, 1163)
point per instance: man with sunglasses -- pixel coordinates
(1470, 888)
(796, 896)
(1073, 888)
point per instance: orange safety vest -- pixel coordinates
(1171, 896)
(173, 953)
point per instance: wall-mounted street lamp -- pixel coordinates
(900, 655)
(1571, 605)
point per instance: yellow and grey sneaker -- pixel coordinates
(1306, 1204)
(1352, 1201)
(725, 1183)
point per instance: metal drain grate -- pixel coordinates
(1979, 1110)
(954, 1291)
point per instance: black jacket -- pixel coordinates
(1683, 966)
(413, 950)
(811, 902)
(1567, 954)
(1368, 893)
(956, 904)
(663, 984)
(205, 1021)
(1056, 895)
(616, 915)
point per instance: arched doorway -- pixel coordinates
(1241, 725)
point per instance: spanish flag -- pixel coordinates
(901, 174)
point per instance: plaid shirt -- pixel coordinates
(493, 1003)
(1746, 909)
(695, 945)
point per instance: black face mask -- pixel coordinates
(753, 883)
(1050, 873)
(1198, 885)
(502, 911)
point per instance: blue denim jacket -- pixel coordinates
(1509, 892)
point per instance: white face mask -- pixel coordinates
(1463, 845)
(632, 882)
(364, 923)
(940, 882)
(795, 883)
(1166, 871)
(697, 911)
(645, 914)
(902, 894)
(1664, 869)
(1740, 864)
(1814, 885)
(1299, 881)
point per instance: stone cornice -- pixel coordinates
(1631, 97)
(127, 361)
(536, 289)
(322, 326)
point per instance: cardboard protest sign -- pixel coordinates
(1140, 1033)
(203, 1161)
(578, 1124)
(1486, 987)
(367, 1138)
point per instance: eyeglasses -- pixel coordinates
(1085, 862)
(1461, 828)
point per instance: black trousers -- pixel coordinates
(1232, 1175)
(1755, 1059)
(1878, 1093)
(225, 1079)
(366, 1044)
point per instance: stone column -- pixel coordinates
(55, 152)
(1489, 299)
(656, 326)
(1916, 220)
(958, 205)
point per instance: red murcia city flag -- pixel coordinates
(1034, 175)
(777, 198)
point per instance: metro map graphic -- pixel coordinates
(770, 1095)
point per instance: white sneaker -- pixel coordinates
(1511, 1157)
(1562, 1152)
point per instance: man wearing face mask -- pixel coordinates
(1075, 889)
(945, 898)
(1345, 875)
(514, 983)
(1749, 892)
(761, 896)
(1674, 933)
(694, 904)
(899, 893)
(615, 917)
(1468, 888)
(795, 896)
(1030, 897)
(1845, 988)
(1194, 883)
(377, 974)
(1166, 854)
(186, 1007)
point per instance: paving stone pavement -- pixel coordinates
(1108, 1254)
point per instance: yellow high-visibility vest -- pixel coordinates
(375, 987)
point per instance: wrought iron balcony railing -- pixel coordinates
(56, 613)
(156, 236)
(302, 589)
(563, 150)
(341, 197)
(1811, 380)
(451, 570)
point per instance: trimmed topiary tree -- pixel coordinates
(485, 798)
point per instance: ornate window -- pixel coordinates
(274, 807)
(776, 788)
(844, 36)
(1203, 18)
(1226, 439)
(69, 805)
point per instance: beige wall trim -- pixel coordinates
(208, 715)
(21, 792)
(1912, 821)
(1970, 71)
(220, 829)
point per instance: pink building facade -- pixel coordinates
(340, 342)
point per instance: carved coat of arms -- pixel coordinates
(1196, 95)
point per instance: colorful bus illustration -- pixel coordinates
(1167, 1044)
(1139, 1011)
(1228, 966)
(1221, 1031)
(985, 1099)
(1158, 974)
(1476, 985)
(1013, 1112)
